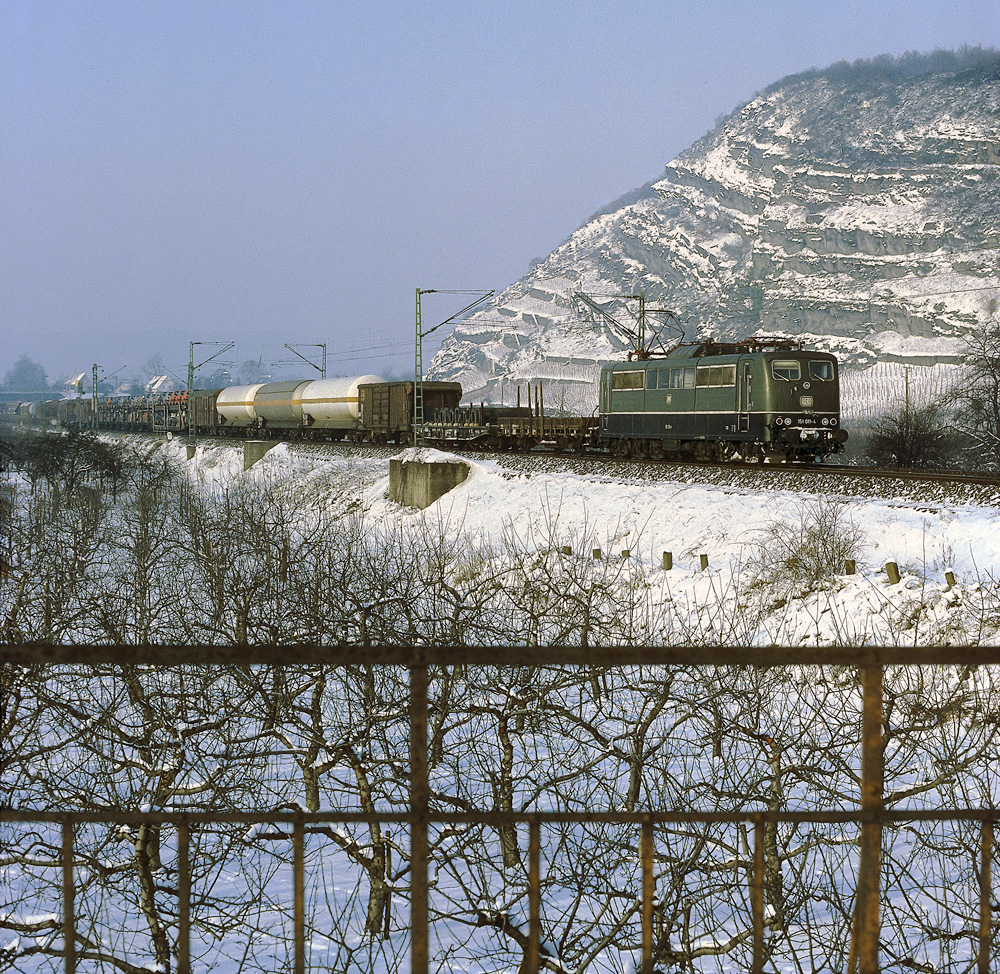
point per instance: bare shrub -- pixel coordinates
(914, 437)
(814, 546)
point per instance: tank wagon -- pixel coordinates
(235, 406)
(759, 398)
(337, 404)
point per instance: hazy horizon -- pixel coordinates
(265, 173)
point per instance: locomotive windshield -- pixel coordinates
(821, 371)
(787, 371)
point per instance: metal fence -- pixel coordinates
(871, 816)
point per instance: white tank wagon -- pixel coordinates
(235, 405)
(278, 405)
(334, 403)
(296, 404)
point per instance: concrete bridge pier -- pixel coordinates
(417, 483)
(253, 450)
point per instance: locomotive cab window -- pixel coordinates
(786, 371)
(627, 380)
(821, 371)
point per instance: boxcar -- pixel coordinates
(386, 408)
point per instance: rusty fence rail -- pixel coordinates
(300, 823)
(417, 660)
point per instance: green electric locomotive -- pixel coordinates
(767, 399)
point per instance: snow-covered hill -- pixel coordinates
(858, 207)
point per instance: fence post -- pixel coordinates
(534, 896)
(69, 904)
(704, 562)
(183, 898)
(757, 895)
(668, 560)
(419, 802)
(867, 925)
(299, 891)
(646, 840)
(985, 891)
(892, 570)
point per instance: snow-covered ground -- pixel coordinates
(545, 740)
(751, 590)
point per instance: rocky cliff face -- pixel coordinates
(858, 207)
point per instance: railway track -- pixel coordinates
(923, 488)
(928, 488)
(844, 480)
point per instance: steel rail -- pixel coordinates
(982, 479)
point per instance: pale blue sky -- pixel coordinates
(273, 172)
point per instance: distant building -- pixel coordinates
(74, 384)
(159, 384)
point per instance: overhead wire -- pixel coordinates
(403, 348)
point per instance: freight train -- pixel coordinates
(759, 399)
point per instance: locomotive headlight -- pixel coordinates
(826, 422)
(833, 422)
(788, 420)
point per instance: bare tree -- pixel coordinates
(26, 376)
(976, 397)
(69, 460)
(132, 739)
(246, 564)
